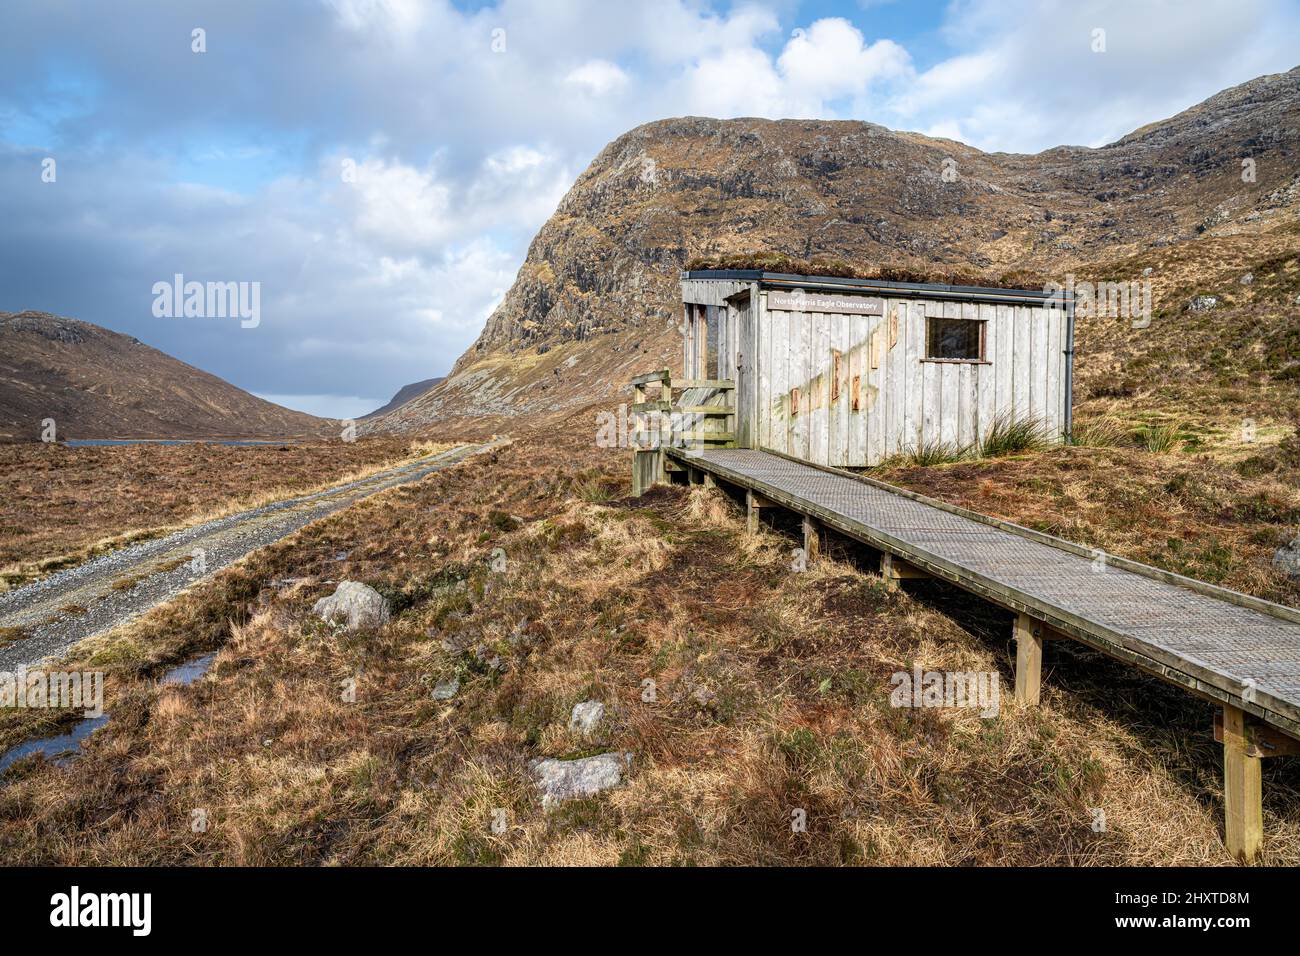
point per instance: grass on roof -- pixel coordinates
(822, 266)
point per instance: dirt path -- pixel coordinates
(117, 587)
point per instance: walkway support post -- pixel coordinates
(1243, 798)
(812, 539)
(647, 470)
(1029, 659)
(893, 570)
(754, 502)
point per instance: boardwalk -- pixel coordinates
(1239, 651)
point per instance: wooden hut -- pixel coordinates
(849, 372)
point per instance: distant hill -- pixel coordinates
(1194, 201)
(100, 384)
(404, 394)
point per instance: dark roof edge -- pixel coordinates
(844, 282)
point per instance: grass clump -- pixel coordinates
(1107, 432)
(1009, 433)
(593, 490)
(929, 453)
(1161, 439)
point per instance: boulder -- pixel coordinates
(561, 780)
(586, 716)
(1287, 559)
(703, 696)
(358, 604)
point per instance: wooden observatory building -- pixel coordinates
(786, 376)
(849, 372)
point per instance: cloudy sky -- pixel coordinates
(379, 166)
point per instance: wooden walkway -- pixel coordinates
(1236, 650)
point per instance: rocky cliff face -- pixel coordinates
(596, 298)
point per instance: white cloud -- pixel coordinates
(404, 210)
(1025, 76)
(462, 153)
(398, 206)
(402, 17)
(832, 59)
(739, 82)
(946, 129)
(520, 185)
(952, 81)
(818, 71)
(597, 77)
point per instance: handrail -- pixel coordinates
(666, 405)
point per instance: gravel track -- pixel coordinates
(50, 631)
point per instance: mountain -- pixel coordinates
(99, 384)
(596, 299)
(404, 395)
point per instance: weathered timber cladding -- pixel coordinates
(852, 388)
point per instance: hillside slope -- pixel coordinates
(99, 384)
(596, 298)
(403, 395)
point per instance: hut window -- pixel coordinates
(954, 340)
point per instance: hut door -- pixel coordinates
(741, 318)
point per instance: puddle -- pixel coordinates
(60, 750)
(189, 672)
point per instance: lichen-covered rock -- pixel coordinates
(703, 696)
(1287, 559)
(561, 780)
(586, 717)
(359, 605)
